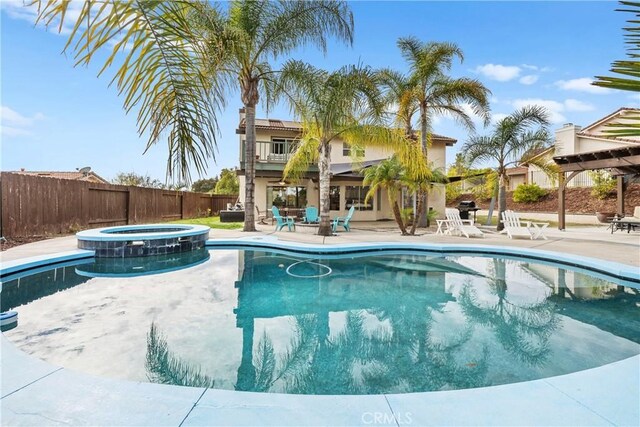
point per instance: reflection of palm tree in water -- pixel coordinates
(404, 357)
(407, 357)
(166, 368)
(314, 363)
(523, 330)
(402, 354)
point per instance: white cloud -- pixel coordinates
(23, 10)
(582, 84)
(15, 124)
(17, 10)
(528, 80)
(536, 68)
(501, 73)
(554, 108)
(575, 105)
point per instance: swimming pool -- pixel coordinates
(360, 323)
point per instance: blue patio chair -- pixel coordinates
(282, 221)
(311, 215)
(343, 220)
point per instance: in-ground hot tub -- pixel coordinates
(143, 240)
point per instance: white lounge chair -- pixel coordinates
(515, 228)
(465, 227)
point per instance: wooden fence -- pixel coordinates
(33, 205)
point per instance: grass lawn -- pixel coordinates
(211, 221)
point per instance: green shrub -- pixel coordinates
(452, 191)
(603, 184)
(528, 193)
(481, 192)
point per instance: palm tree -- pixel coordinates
(512, 142)
(177, 60)
(630, 69)
(345, 104)
(158, 64)
(241, 44)
(431, 92)
(390, 175)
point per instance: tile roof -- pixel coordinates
(76, 176)
(519, 170)
(293, 126)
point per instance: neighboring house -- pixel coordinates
(275, 141)
(517, 175)
(573, 139)
(76, 176)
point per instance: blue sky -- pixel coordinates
(57, 117)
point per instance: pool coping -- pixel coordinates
(606, 395)
(98, 234)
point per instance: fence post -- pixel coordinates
(620, 193)
(128, 206)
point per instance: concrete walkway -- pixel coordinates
(37, 393)
(591, 241)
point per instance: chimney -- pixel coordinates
(242, 115)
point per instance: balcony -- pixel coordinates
(272, 155)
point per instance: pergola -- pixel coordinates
(619, 161)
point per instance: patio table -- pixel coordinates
(621, 224)
(441, 223)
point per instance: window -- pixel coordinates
(286, 197)
(346, 150)
(355, 195)
(277, 146)
(280, 148)
(379, 199)
(334, 197)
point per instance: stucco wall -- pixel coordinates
(436, 155)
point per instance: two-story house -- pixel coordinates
(275, 141)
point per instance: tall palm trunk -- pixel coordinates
(323, 166)
(397, 216)
(502, 199)
(250, 98)
(419, 210)
(421, 214)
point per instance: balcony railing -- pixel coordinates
(272, 152)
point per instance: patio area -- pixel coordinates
(607, 395)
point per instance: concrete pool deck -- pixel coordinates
(37, 393)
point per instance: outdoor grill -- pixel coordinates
(466, 206)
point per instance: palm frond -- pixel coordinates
(165, 368)
(480, 149)
(158, 66)
(630, 67)
(629, 128)
(308, 23)
(306, 154)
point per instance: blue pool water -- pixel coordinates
(369, 323)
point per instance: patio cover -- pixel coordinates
(619, 161)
